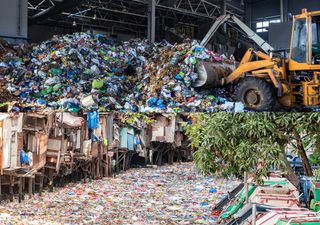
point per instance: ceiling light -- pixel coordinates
(74, 23)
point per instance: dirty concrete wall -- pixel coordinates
(14, 20)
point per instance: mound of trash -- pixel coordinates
(82, 71)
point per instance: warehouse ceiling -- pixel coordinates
(126, 15)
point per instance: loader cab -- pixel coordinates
(305, 42)
(315, 40)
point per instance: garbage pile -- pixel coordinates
(82, 71)
(174, 194)
(6, 52)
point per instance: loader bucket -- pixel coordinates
(212, 75)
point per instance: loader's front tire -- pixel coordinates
(256, 94)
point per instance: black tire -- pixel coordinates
(256, 94)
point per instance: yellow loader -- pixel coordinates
(264, 78)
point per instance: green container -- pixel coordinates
(47, 91)
(57, 87)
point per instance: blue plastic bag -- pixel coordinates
(24, 157)
(137, 140)
(152, 102)
(93, 120)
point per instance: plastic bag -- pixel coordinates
(24, 159)
(93, 120)
(137, 140)
(97, 84)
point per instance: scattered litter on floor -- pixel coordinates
(174, 194)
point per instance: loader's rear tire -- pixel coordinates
(256, 93)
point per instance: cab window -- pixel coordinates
(300, 41)
(315, 29)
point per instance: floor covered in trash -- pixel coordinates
(174, 194)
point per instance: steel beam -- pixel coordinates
(104, 20)
(136, 12)
(152, 21)
(115, 11)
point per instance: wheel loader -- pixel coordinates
(264, 79)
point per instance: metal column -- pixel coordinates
(223, 7)
(248, 14)
(152, 21)
(284, 10)
(19, 22)
(281, 11)
(223, 11)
